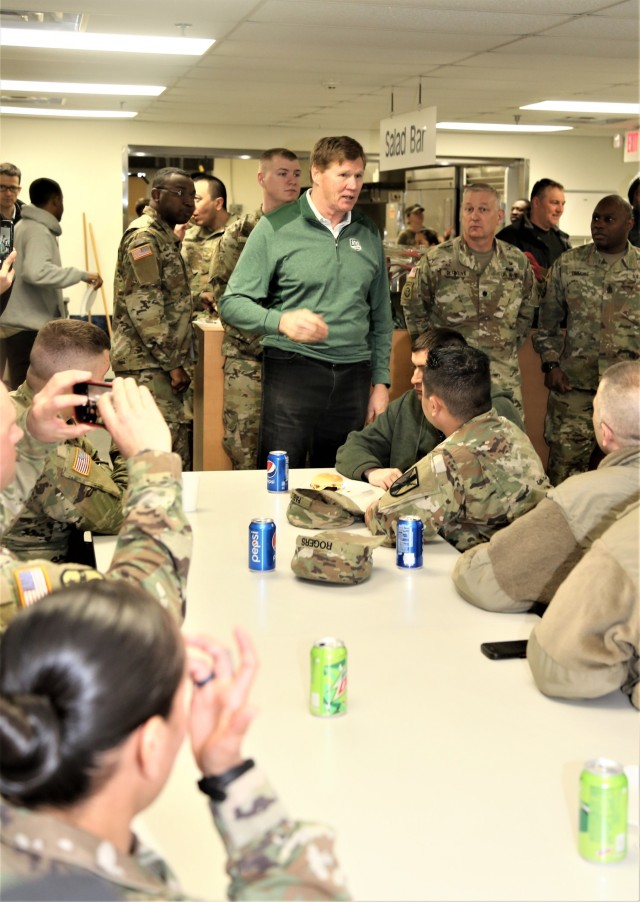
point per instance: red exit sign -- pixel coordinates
(632, 147)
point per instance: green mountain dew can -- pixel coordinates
(328, 697)
(602, 834)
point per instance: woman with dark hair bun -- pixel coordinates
(94, 705)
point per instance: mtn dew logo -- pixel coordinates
(336, 675)
(328, 678)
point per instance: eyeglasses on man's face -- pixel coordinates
(179, 192)
(13, 189)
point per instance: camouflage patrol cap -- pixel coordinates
(319, 508)
(335, 557)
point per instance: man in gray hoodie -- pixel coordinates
(40, 277)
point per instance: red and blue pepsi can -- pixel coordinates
(262, 544)
(278, 471)
(409, 542)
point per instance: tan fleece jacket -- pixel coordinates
(528, 560)
(588, 642)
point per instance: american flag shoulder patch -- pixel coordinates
(82, 462)
(139, 253)
(33, 584)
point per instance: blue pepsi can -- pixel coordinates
(262, 544)
(278, 471)
(409, 542)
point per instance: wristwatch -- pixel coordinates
(549, 365)
(215, 787)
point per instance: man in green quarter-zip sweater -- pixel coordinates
(313, 280)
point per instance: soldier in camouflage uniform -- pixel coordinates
(270, 856)
(152, 333)
(485, 473)
(154, 544)
(279, 177)
(210, 219)
(597, 287)
(482, 287)
(77, 490)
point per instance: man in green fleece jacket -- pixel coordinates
(313, 280)
(382, 451)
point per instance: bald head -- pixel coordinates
(616, 407)
(67, 344)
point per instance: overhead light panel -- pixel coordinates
(65, 114)
(110, 43)
(71, 87)
(584, 106)
(500, 127)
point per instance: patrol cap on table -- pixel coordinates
(335, 557)
(319, 508)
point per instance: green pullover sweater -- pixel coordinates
(291, 261)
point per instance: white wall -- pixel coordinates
(86, 158)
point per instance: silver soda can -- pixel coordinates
(409, 543)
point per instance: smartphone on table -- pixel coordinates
(501, 651)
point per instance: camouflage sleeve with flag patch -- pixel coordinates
(152, 302)
(76, 490)
(153, 548)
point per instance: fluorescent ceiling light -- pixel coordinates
(584, 106)
(66, 114)
(70, 87)
(500, 127)
(116, 43)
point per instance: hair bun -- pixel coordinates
(29, 742)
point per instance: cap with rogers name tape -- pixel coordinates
(319, 508)
(335, 557)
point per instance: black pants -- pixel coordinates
(15, 351)
(310, 406)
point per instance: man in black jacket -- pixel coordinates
(537, 235)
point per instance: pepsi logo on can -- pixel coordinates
(278, 471)
(262, 545)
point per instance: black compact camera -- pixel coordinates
(88, 413)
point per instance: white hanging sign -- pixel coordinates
(408, 141)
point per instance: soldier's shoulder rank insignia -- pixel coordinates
(72, 576)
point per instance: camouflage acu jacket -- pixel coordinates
(198, 248)
(151, 300)
(602, 304)
(223, 262)
(493, 309)
(76, 490)
(476, 481)
(270, 856)
(153, 548)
